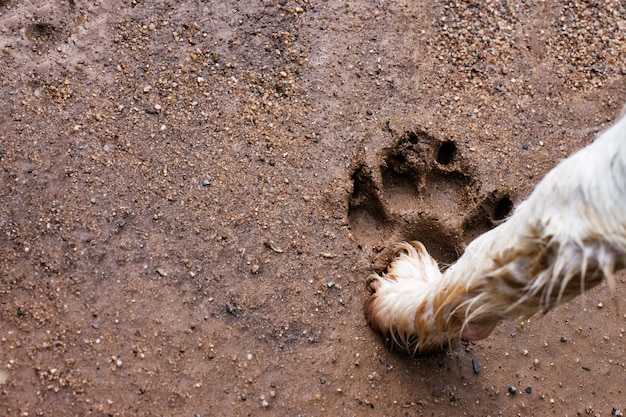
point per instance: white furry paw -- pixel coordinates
(401, 305)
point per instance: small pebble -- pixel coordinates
(369, 112)
(512, 390)
(118, 362)
(525, 147)
(206, 183)
(529, 390)
(255, 269)
(475, 366)
(95, 326)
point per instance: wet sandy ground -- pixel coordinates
(194, 193)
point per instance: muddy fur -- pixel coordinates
(567, 237)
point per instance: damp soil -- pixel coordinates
(194, 194)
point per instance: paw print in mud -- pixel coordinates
(409, 185)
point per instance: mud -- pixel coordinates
(409, 185)
(194, 193)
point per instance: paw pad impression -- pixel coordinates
(409, 185)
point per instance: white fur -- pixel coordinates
(569, 235)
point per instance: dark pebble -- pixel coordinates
(529, 390)
(369, 112)
(525, 147)
(512, 390)
(475, 366)
(563, 339)
(513, 334)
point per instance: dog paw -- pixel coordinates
(409, 184)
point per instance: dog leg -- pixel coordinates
(567, 237)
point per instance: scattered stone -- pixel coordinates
(529, 390)
(475, 366)
(273, 247)
(161, 272)
(232, 308)
(255, 269)
(206, 183)
(512, 390)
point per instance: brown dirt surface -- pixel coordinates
(194, 193)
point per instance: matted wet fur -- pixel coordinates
(567, 237)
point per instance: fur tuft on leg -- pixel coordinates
(404, 299)
(567, 237)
